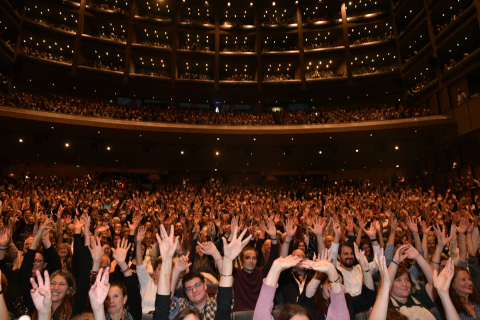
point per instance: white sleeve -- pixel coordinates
(453, 252)
(372, 265)
(334, 249)
(142, 275)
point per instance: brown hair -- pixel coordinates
(186, 312)
(400, 272)
(65, 310)
(156, 262)
(456, 299)
(290, 310)
(248, 248)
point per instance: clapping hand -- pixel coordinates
(41, 294)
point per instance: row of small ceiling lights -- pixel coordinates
(64, 16)
(158, 8)
(54, 44)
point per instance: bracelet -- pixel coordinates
(226, 275)
(395, 263)
(287, 242)
(123, 271)
(93, 272)
(274, 239)
(3, 248)
(439, 263)
(368, 270)
(336, 281)
(372, 240)
(218, 259)
(1, 291)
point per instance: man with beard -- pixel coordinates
(353, 274)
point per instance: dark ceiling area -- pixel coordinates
(100, 146)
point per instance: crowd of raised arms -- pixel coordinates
(111, 248)
(82, 107)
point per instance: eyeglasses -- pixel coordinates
(190, 289)
(38, 261)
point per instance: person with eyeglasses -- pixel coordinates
(217, 308)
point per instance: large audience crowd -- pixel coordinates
(77, 106)
(106, 247)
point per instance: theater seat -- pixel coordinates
(248, 315)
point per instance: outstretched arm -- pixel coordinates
(380, 308)
(442, 284)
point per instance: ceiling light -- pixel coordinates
(67, 145)
(20, 140)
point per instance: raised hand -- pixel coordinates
(324, 255)
(44, 228)
(271, 229)
(412, 252)
(394, 225)
(360, 256)
(412, 224)
(182, 264)
(290, 227)
(99, 291)
(349, 226)
(463, 226)
(318, 226)
(133, 226)
(120, 254)
(41, 294)
(141, 233)
(234, 224)
(442, 281)
(400, 255)
(167, 243)
(323, 266)
(207, 248)
(96, 249)
(336, 227)
(441, 237)
(371, 232)
(77, 225)
(4, 237)
(290, 261)
(233, 249)
(382, 268)
(425, 229)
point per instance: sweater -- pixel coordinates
(336, 311)
(247, 286)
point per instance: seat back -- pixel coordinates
(248, 315)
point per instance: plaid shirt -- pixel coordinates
(208, 311)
